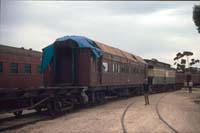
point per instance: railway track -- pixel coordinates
(11, 123)
(123, 117)
(161, 118)
(124, 129)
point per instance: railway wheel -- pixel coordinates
(103, 97)
(57, 106)
(54, 107)
(100, 97)
(18, 113)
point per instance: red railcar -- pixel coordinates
(19, 68)
(182, 78)
(73, 65)
(78, 70)
(196, 78)
(114, 68)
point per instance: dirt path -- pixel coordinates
(177, 108)
(142, 118)
(180, 110)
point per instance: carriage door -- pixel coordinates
(65, 65)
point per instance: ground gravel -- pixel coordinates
(177, 108)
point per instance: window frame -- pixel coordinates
(15, 66)
(105, 66)
(27, 68)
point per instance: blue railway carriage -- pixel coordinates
(160, 75)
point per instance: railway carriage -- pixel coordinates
(77, 70)
(19, 73)
(72, 65)
(196, 79)
(195, 76)
(19, 68)
(93, 66)
(182, 78)
(80, 71)
(161, 76)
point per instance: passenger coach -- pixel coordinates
(80, 71)
(19, 68)
(78, 62)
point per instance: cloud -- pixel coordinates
(149, 29)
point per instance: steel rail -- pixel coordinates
(161, 117)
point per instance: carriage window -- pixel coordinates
(105, 66)
(136, 70)
(115, 67)
(132, 70)
(141, 71)
(27, 68)
(126, 69)
(1, 66)
(122, 68)
(118, 68)
(14, 68)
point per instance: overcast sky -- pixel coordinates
(148, 29)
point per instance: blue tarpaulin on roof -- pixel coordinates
(83, 42)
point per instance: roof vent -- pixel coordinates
(30, 49)
(22, 47)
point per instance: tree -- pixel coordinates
(176, 59)
(187, 54)
(184, 63)
(181, 66)
(193, 61)
(196, 16)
